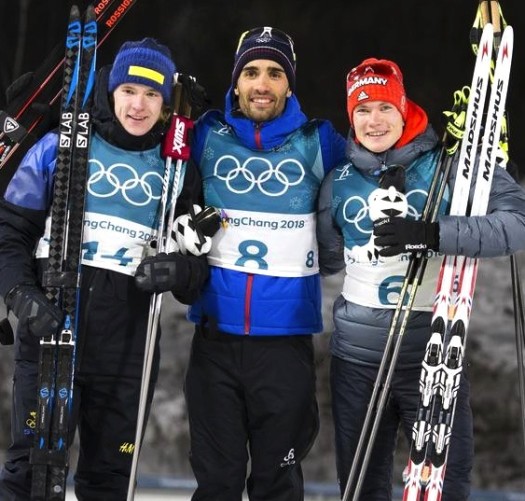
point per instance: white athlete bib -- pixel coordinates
(264, 243)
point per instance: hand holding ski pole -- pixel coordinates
(397, 235)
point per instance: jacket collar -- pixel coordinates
(373, 163)
(266, 135)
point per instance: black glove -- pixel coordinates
(196, 92)
(33, 310)
(6, 333)
(171, 272)
(397, 235)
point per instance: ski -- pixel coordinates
(20, 121)
(443, 362)
(49, 455)
(453, 360)
(433, 358)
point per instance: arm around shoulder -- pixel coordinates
(333, 145)
(329, 237)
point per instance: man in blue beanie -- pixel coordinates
(250, 384)
(122, 210)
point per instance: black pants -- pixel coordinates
(351, 386)
(110, 347)
(105, 408)
(251, 399)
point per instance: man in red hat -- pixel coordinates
(369, 222)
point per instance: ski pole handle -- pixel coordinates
(183, 98)
(177, 141)
(490, 13)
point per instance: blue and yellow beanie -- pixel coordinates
(144, 62)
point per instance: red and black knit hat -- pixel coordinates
(265, 43)
(376, 80)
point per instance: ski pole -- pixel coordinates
(175, 147)
(519, 322)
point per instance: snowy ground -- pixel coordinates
(319, 493)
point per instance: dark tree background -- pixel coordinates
(429, 40)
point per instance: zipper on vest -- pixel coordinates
(249, 279)
(258, 136)
(247, 303)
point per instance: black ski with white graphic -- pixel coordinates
(49, 456)
(21, 123)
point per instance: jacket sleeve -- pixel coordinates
(329, 237)
(500, 232)
(19, 232)
(191, 191)
(195, 275)
(333, 145)
(23, 210)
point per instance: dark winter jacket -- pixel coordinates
(362, 317)
(28, 197)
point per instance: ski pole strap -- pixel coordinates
(455, 126)
(177, 140)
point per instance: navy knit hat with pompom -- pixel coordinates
(265, 43)
(144, 62)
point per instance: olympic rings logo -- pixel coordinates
(271, 181)
(360, 210)
(122, 178)
(359, 206)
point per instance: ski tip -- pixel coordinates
(74, 12)
(487, 34)
(508, 34)
(505, 46)
(486, 42)
(90, 14)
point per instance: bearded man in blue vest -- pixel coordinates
(250, 384)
